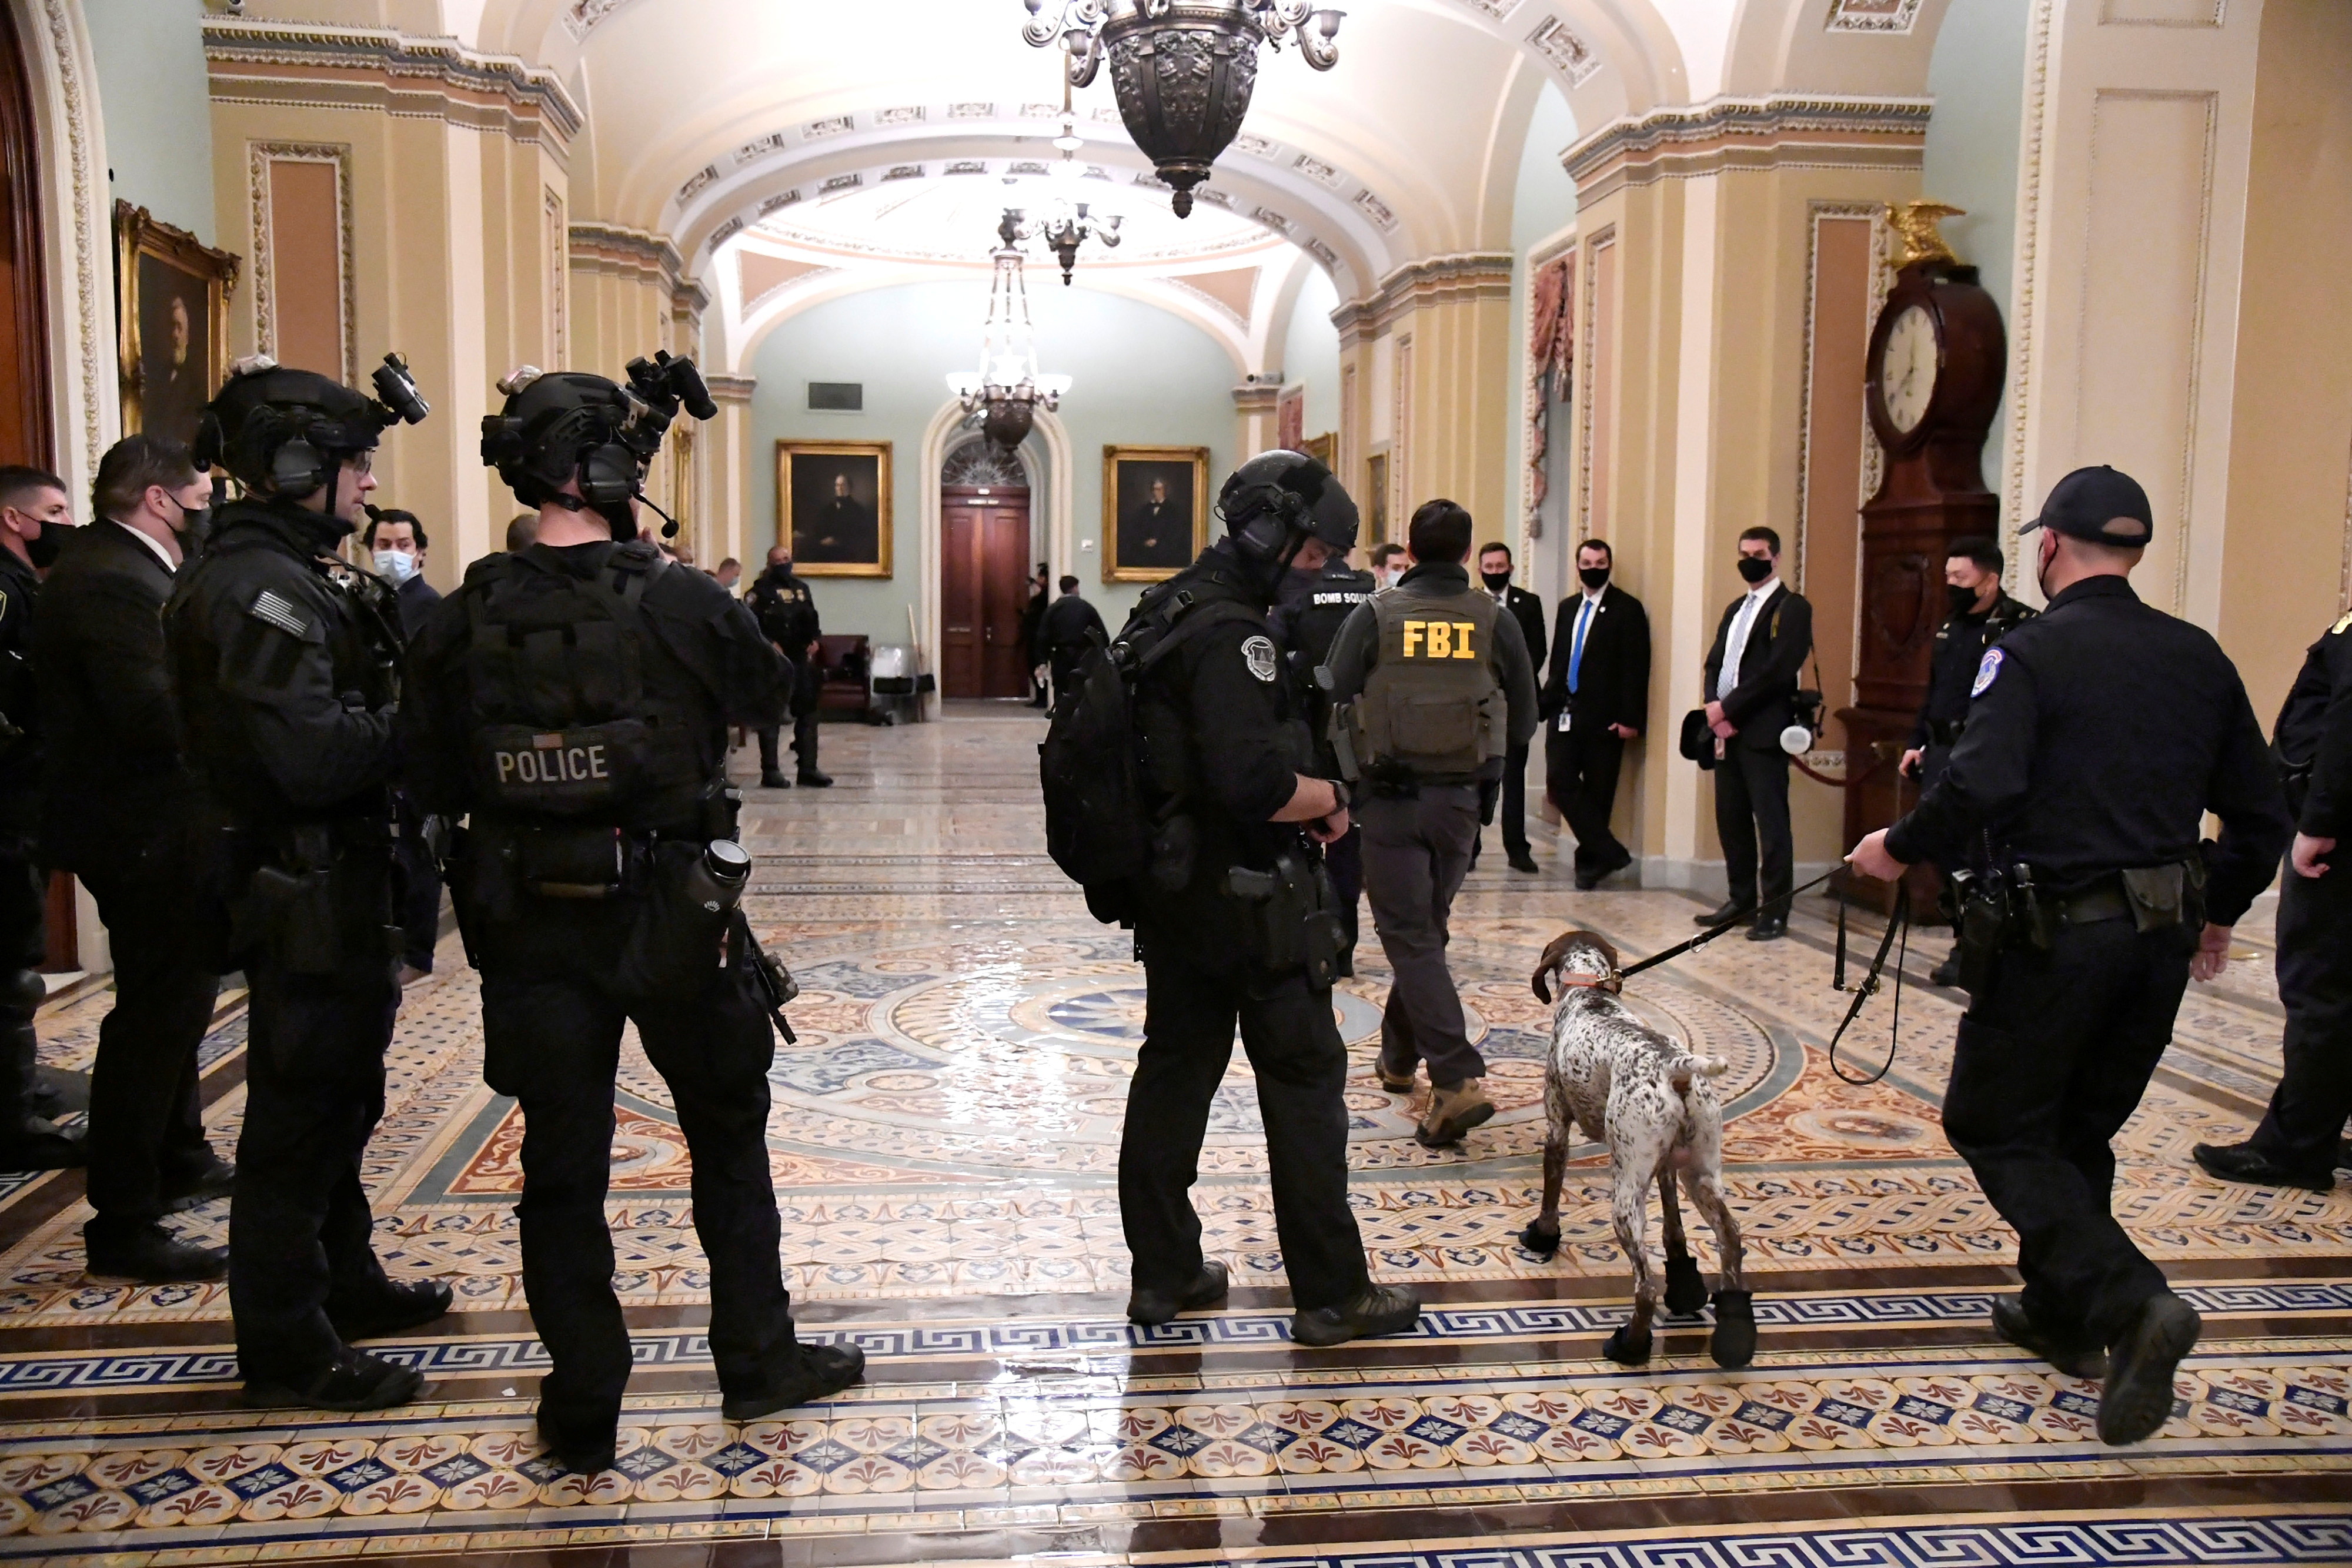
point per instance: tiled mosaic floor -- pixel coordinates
(944, 1141)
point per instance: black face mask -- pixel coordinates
(42, 551)
(1594, 577)
(1964, 600)
(1755, 569)
(1496, 582)
(779, 571)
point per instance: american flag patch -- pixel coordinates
(281, 613)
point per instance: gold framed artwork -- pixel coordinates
(1324, 449)
(1155, 511)
(1375, 501)
(832, 503)
(171, 293)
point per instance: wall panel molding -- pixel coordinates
(1597, 386)
(261, 158)
(1749, 134)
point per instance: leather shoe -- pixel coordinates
(2076, 1357)
(353, 1381)
(38, 1144)
(810, 779)
(1380, 1310)
(2244, 1163)
(1152, 1308)
(1725, 912)
(824, 1370)
(1395, 1083)
(1453, 1111)
(406, 1305)
(1587, 880)
(1525, 861)
(150, 1255)
(2137, 1399)
(1947, 973)
(1766, 929)
(580, 1456)
(217, 1180)
(774, 781)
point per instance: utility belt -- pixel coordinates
(2006, 909)
(1289, 921)
(313, 897)
(1945, 731)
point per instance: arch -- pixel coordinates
(1056, 499)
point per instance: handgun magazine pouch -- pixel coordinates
(1288, 920)
(320, 900)
(2168, 898)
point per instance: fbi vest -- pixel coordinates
(1431, 710)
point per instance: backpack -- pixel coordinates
(1098, 824)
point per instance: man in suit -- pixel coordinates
(1495, 572)
(1751, 688)
(1595, 699)
(116, 813)
(1062, 635)
(396, 542)
(1033, 621)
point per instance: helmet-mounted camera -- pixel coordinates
(285, 431)
(562, 425)
(1277, 501)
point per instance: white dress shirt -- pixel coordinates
(1736, 645)
(161, 553)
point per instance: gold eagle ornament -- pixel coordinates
(1916, 223)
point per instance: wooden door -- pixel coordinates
(26, 430)
(983, 589)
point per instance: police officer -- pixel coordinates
(2099, 734)
(786, 609)
(1438, 693)
(1982, 614)
(2301, 1140)
(1233, 917)
(574, 698)
(34, 511)
(286, 665)
(1315, 605)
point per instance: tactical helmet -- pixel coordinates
(561, 424)
(284, 431)
(1277, 500)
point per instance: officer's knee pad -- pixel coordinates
(22, 992)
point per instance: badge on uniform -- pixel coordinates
(278, 612)
(1985, 670)
(1259, 652)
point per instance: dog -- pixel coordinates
(1653, 1104)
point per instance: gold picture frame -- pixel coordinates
(833, 507)
(1150, 537)
(171, 295)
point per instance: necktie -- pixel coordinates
(1576, 649)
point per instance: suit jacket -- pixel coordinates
(1527, 611)
(113, 769)
(415, 598)
(1612, 682)
(1764, 702)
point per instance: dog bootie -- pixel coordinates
(1543, 1244)
(1733, 1343)
(1626, 1350)
(1686, 1287)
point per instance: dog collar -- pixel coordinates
(1613, 984)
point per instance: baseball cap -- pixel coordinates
(2103, 504)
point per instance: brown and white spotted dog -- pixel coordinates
(1653, 1104)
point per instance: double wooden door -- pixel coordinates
(984, 591)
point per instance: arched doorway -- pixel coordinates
(27, 431)
(986, 554)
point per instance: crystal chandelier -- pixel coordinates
(1183, 69)
(1008, 391)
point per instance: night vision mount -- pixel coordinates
(557, 425)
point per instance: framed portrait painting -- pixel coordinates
(832, 503)
(172, 314)
(1155, 511)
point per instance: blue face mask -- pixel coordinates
(395, 567)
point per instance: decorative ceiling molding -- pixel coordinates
(725, 388)
(610, 249)
(1493, 10)
(316, 65)
(1568, 54)
(1872, 16)
(1477, 274)
(579, 18)
(1732, 134)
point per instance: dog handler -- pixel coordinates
(2098, 737)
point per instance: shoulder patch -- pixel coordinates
(280, 613)
(1258, 652)
(1988, 670)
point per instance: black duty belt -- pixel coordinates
(2093, 905)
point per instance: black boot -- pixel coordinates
(2245, 1163)
(400, 1307)
(149, 1254)
(822, 1371)
(2136, 1400)
(1152, 1308)
(28, 1140)
(1733, 1343)
(1685, 1286)
(353, 1381)
(1380, 1310)
(1725, 911)
(2076, 1354)
(217, 1178)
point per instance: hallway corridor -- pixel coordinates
(944, 1139)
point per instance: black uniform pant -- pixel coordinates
(1751, 811)
(1513, 809)
(1416, 853)
(1580, 771)
(1301, 1066)
(23, 900)
(416, 887)
(299, 1235)
(2305, 1119)
(146, 1129)
(2052, 1060)
(1343, 862)
(808, 682)
(552, 1037)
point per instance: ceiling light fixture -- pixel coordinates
(1007, 392)
(1183, 69)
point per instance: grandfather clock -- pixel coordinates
(1937, 360)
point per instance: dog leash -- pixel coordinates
(1898, 927)
(1712, 932)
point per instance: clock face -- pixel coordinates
(1906, 372)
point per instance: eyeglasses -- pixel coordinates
(362, 461)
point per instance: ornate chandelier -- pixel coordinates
(1008, 391)
(1183, 69)
(1064, 232)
